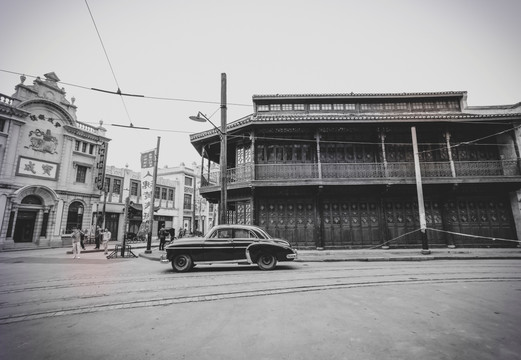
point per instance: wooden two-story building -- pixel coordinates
(337, 170)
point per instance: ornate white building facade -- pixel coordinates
(50, 166)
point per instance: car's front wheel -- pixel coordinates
(267, 262)
(182, 263)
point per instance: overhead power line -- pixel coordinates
(163, 98)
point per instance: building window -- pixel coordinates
(171, 194)
(188, 181)
(77, 145)
(275, 107)
(429, 105)
(91, 149)
(84, 147)
(326, 106)
(287, 107)
(187, 204)
(401, 106)
(134, 186)
(338, 106)
(314, 107)
(263, 108)
(163, 194)
(417, 106)
(453, 105)
(117, 186)
(298, 107)
(2, 125)
(74, 216)
(81, 173)
(157, 192)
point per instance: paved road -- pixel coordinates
(59, 308)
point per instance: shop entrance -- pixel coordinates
(24, 229)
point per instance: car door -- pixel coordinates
(218, 246)
(241, 239)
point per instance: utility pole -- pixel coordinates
(127, 203)
(224, 150)
(154, 181)
(419, 189)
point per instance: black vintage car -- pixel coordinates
(242, 244)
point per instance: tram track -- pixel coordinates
(207, 296)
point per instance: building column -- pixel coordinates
(515, 199)
(38, 227)
(58, 218)
(515, 139)
(252, 138)
(319, 229)
(3, 222)
(446, 135)
(319, 163)
(384, 155)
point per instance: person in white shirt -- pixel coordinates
(76, 238)
(106, 238)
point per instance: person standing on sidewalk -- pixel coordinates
(82, 238)
(76, 239)
(106, 238)
(97, 237)
(162, 238)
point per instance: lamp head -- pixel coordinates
(198, 118)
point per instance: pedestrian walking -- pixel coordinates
(97, 237)
(162, 238)
(106, 238)
(82, 238)
(76, 241)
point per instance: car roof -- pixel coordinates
(237, 226)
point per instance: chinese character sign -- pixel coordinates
(147, 183)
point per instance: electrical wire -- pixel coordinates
(132, 95)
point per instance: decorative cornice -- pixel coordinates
(85, 134)
(361, 95)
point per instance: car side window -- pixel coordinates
(225, 234)
(241, 234)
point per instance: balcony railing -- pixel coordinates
(364, 171)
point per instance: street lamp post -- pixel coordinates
(224, 149)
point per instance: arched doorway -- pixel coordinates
(26, 220)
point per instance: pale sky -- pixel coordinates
(178, 49)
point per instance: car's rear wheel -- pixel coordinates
(267, 262)
(182, 263)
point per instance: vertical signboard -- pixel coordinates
(147, 183)
(100, 165)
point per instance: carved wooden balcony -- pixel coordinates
(328, 173)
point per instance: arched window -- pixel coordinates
(32, 199)
(74, 216)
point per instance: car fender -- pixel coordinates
(254, 250)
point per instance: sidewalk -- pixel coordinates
(351, 255)
(384, 255)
